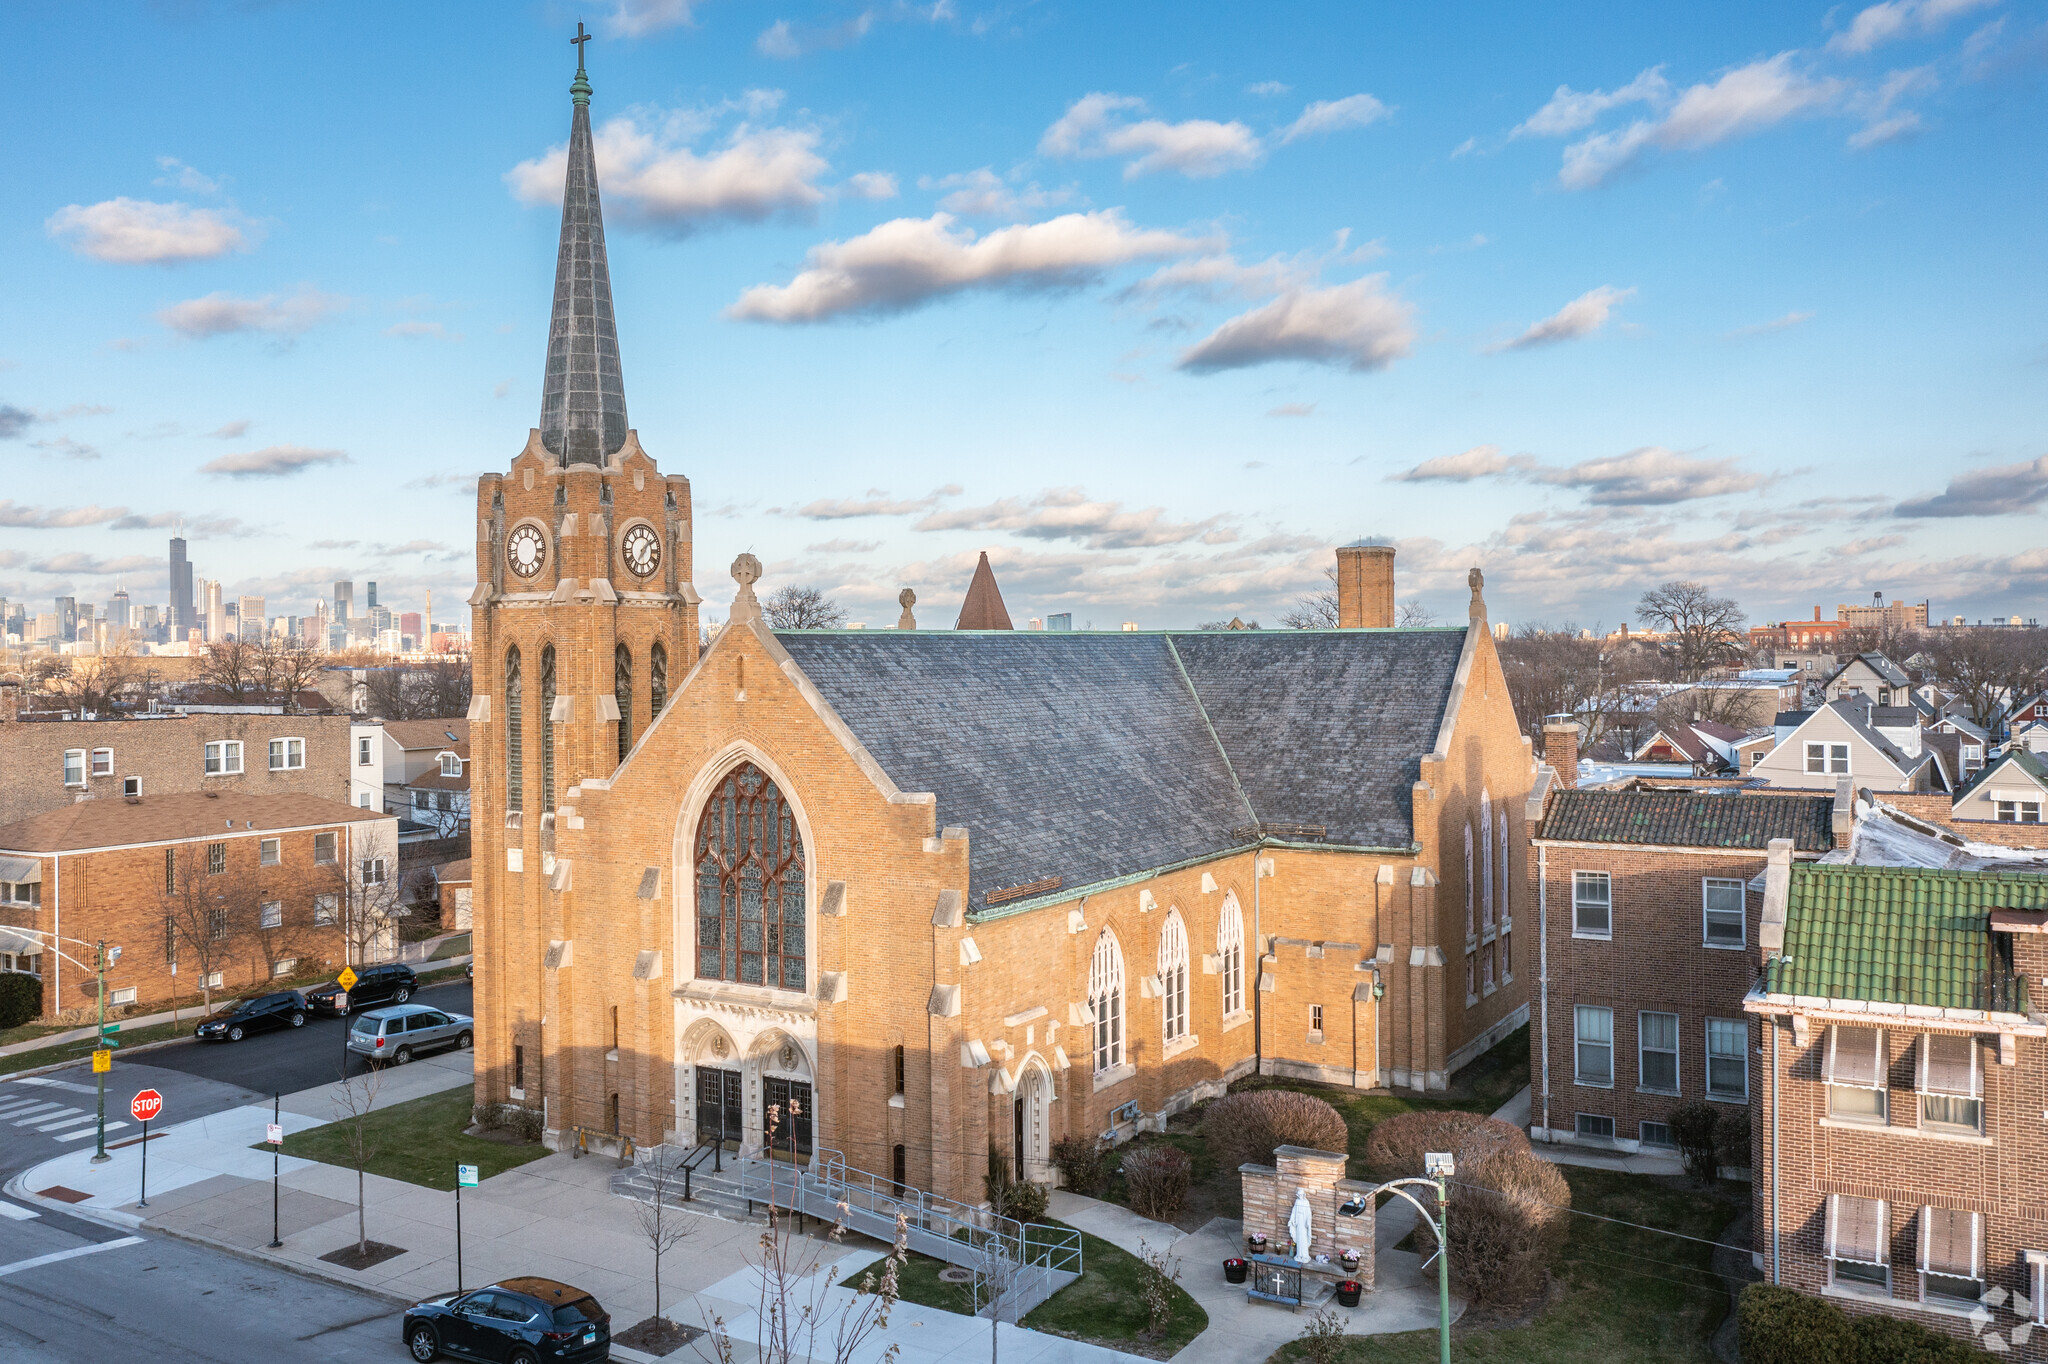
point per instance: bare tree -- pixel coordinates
(94, 683)
(272, 918)
(1413, 615)
(353, 1103)
(1989, 670)
(1894, 641)
(285, 667)
(997, 1276)
(230, 667)
(207, 904)
(802, 608)
(433, 690)
(1705, 630)
(362, 892)
(1162, 1272)
(1569, 671)
(1317, 610)
(663, 1226)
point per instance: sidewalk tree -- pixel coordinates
(209, 902)
(353, 1101)
(361, 890)
(662, 1225)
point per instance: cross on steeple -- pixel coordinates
(577, 42)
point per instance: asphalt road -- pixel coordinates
(289, 1059)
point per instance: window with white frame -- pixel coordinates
(1592, 904)
(1230, 947)
(1854, 1068)
(287, 755)
(124, 995)
(273, 914)
(1727, 1059)
(323, 848)
(224, 758)
(373, 871)
(216, 858)
(1657, 1052)
(325, 907)
(131, 786)
(213, 980)
(1827, 758)
(1173, 977)
(74, 767)
(285, 967)
(1722, 906)
(1486, 960)
(1593, 1061)
(1858, 1244)
(1485, 859)
(363, 751)
(21, 892)
(451, 766)
(1315, 1019)
(1106, 1000)
(1950, 1080)
(2037, 1285)
(271, 851)
(1951, 1256)
(103, 762)
(2018, 811)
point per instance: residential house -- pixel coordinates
(1839, 740)
(1897, 1140)
(2032, 736)
(1646, 922)
(1960, 757)
(1708, 747)
(2033, 710)
(1871, 675)
(1751, 749)
(438, 798)
(2011, 789)
(453, 880)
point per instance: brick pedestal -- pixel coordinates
(1269, 1197)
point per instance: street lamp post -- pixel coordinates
(1438, 1167)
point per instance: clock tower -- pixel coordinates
(584, 620)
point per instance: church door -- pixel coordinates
(791, 1100)
(721, 1107)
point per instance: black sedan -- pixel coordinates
(233, 1022)
(391, 983)
(520, 1321)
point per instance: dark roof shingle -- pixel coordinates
(1691, 819)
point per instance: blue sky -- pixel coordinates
(1155, 303)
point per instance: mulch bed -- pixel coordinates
(352, 1256)
(657, 1336)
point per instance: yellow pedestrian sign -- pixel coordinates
(347, 978)
(102, 1061)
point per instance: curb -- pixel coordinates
(82, 1060)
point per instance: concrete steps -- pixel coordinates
(711, 1193)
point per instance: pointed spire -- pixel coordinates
(983, 609)
(583, 393)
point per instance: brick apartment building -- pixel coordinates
(200, 890)
(49, 764)
(1648, 927)
(1898, 1137)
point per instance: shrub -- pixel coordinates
(488, 1117)
(1780, 1326)
(1024, 1201)
(525, 1122)
(1509, 1215)
(1162, 1272)
(1156, 1180)
(1395, 1147)
(1322, 1340)
(21, 998)
(1245, 1128)
(1891, 1340)
(1692, 1127)
(1731, 1139)
(1080, 1160)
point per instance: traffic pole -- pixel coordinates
(458, 1237)
(143, 1201)
(277, 1120)
(100, 1076)
(1443, 1269)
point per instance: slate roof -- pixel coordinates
(1901, 935)
(1690, 819)
(583, 390)
(1879, 664)
(1094, 756)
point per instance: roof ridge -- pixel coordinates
(1214, 737)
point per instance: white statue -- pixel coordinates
(1299, 1226)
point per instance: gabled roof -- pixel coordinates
(1855, 712)
(1690, 819)
(1093, 756)
(1879, 664)
(430, 734)
(2029, 763)
(1900, 935)
(112, 822)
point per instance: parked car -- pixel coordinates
(234, 1021)
(390, 983)
(529, 1321)
(404, 1031)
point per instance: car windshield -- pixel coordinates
(229, 1009)
(365, 1023)
(578, 1312)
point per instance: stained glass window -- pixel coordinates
(750, 884)
(1173, 976)
(1106, 998)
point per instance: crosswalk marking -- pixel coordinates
(74, 1136)
(14, 1106)
(40, 1108)
(17, 1212)
(65, 1122)
(71, 1085)
(71, 1254)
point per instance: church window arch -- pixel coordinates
(1230, 947)
(622, 692)
(515, 734)
(1486, 857)
(657, 678)
(1471, 918)
(547, 728)
(1106, 1000)
(1173, 976)
(751, 919)
(1506, 903)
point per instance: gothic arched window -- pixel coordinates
(515, 737)
(1486, 858)
(657, 678)
(1173, 976)
(750, 884)
(622, 692)
(1230, 947)
(1106, 999)
(547, 728)
(1506, 903)
(1471, 918)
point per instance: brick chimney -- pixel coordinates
(1561, 749)
(1365, 587)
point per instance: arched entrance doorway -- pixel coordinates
(1031, 1117)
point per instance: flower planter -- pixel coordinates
(1350, 1259)
(1256, 1243)
(1233, 1271)
(1348, 1291)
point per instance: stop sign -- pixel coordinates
(146, 1105)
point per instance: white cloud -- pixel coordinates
(982, 193)
(787, 41)
(433, 330)
(1743, 101)
(1198, 148)
(178, 175)
(1069, 514)
(1570, 110)
(1480, 461)
(869, 185)
(1221, 275)
(1648, 476)
(273, 461)
(1292, 410)
(233, 430)
(639, 18)
(2005, 490)
(1883, 122)
(1335, 115)
(876, 502)
(1268, 89)
(906, 262)
(14, 421)
(1357, 325)
(69, 448)
(652, 177)
(1776, 324)
(845, 547)
(91, 564)
(1885, 130)
(19, 517)
(222, 314)
(139, 232)
(1582, 316)
(1882, 23)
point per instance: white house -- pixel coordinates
(2012, 789)
(1838, 741)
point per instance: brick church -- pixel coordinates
(948, 891)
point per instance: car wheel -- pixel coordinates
(298, 1020)
(523, 1357)
(463, 1042)
(235, 1033)
(404, 993)
(422, 1344)
(402, 1055)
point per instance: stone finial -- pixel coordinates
(746, 571)
(1477, 581)
(906, 599)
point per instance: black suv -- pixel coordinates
(536, 1321)
(375, 985)
(233, 1022)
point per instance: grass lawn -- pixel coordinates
(419, 1141)
(454, 947)
(1625, 1296)
(82, 1050)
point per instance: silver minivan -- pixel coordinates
(403, 1031)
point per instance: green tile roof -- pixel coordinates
(1901, 935)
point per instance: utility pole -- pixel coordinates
(1438, 1167)
(99, 1069)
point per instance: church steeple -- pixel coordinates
(583, 395)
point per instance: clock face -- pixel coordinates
(526, 551)
(642, 549)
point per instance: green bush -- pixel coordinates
(1731, 1138)
(1245, 1128)
(21, 998)
(1693, 1126)
(1025, 1201)
(1780, 1326)
(1892, 1340)
(1080, 1160)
